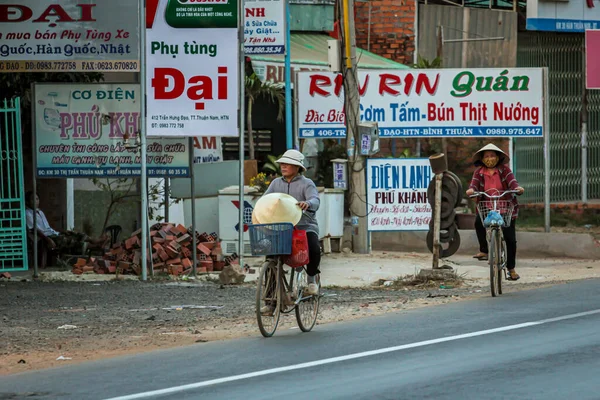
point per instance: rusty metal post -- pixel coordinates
(437, 221)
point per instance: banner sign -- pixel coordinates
(562, 16)
(69, 35)
(592, 59)
(427, 103)
(192, 80)
(264, 29)
(397, 194)
(207, 150)
(79, 132)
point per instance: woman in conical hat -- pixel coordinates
(493, 176)
(304, 217)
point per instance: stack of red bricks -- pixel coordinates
(172, 253)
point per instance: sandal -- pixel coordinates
(481, 256)
(512, 275)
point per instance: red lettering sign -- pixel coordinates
(207, 143)
(389, 83)
(386, 81)
(200, 87)
(54, 14)
(255, 12)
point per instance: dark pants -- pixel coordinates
(314, 254)
(510, 236)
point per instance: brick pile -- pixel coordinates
(171, 253)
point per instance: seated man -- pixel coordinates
(61, 242)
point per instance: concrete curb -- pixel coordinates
(571, 245)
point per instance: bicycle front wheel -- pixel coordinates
(268, 308)
(307, 308)
(493, 256)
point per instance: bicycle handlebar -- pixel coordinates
(477, 194)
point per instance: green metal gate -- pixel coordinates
(13, 229)
(563, 54)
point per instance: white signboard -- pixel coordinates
(79, 133)
(427, 103)
(340, 176)
(69, 35)
(192, 80)
(207, 150)
(563, 16)
(397, 194)
(264, 28)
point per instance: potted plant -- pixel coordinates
(465, 218)
(261, 182)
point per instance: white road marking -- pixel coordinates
(182, 388)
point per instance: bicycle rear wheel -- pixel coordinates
(494, 256)
(307, 308)
(268, 294)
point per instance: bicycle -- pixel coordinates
(273, 287)
(494, 219)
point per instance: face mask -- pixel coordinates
(490, 162)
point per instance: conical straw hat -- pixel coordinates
(503, 157)
(276, 208)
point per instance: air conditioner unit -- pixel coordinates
(369, 138)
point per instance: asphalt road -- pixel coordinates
(538, 344)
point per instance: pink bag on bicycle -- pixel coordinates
(299, 256)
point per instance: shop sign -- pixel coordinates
(207, 150)
(427, 103)
(80, 132)
(274, 72)
(264, 27)
(192, 68)
(563, 16)
(70, 35)
(397, 194)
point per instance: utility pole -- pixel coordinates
(357, 188)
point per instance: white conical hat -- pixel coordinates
(504, 159)
(276, 208)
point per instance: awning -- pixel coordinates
(309, 52)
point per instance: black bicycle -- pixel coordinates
(496, 214)
(275, 293)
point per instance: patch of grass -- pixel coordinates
(580, 220)
(535, 219)
(562, 217)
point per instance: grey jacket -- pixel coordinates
(302, 189)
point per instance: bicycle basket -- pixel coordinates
(490, 216)
(271, 239)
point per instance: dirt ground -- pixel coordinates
(45, 324)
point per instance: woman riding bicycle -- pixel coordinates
(305, 192)
(493, 176)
